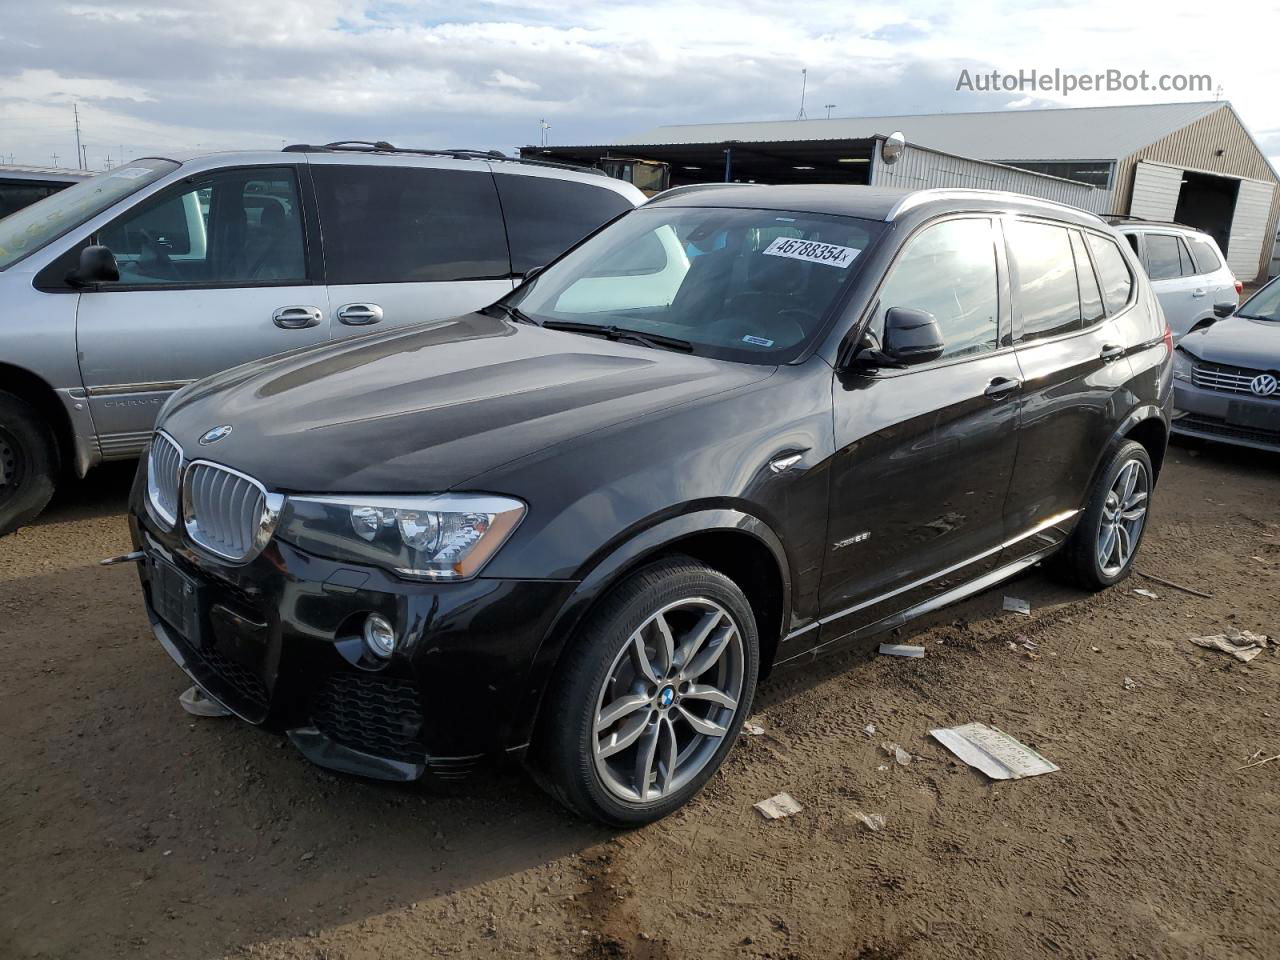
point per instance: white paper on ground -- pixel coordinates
(777, 807)
(1016, 605)
(993, 752)
(901, 650)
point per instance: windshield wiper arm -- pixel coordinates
(656, 340)
(516, 314)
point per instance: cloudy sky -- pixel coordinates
(194, 75)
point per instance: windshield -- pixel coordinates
(747, 285)
(25, 232)
(1265, 304)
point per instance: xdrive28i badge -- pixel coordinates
(214, 435)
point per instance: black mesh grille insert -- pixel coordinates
(1226, 430)
(377, 715)
(239, 677)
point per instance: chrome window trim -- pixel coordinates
(272, 504)
(158, 514)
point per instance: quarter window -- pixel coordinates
(1045, 278)
(1163, 259)
(546, 216)
(238, 226)
(1113, 271)
(1206, 259)
(409, 224)
(949, 270)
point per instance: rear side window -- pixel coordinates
(1090, 292)
(1206, 258)
(1163, 260)
(949, 271)
(547, 216)
(1113, 271)
(1045, 274)
(409, 225)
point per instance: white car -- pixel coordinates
(1188, 272)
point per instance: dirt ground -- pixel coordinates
(126, 829)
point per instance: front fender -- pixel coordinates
(607, 567)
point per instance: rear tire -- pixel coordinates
(28, 463)
(651, 695)
(1102, 548)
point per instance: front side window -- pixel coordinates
(1163, 258)
(546, 216)
(949, 271)
(410, 224)
(1113, 271)
(1045, 279)
(29, 229)
(232, 227)
(755, 286)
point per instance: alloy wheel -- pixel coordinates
(668, 700)
(1123, 515)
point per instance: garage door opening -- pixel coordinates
(1208, 203)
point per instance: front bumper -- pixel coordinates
(277, 641)
(1226, 416)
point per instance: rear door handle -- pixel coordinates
(1110, 352)
(1199, 292)
(296, 318)
(1001, 387)
(359, 314)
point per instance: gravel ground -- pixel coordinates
(130, 830)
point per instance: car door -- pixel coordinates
(924, 454)
(409, 243)
(1180, 292)
(1073, 356)
(215, 271)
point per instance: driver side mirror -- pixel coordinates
(911, 336)
(1224, 309)
(97, 265)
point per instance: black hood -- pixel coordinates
(1237, 341)
(425, 408)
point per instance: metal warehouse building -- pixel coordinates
(1193, 163)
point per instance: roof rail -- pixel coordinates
(693, 188)
(457, 153)
(917, 197)
(1114, 218)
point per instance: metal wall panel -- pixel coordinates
(1155, 191)
(1249, 228)
(919, 168)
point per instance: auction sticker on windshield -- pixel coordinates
(812, 251)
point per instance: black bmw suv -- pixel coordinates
(731, 431)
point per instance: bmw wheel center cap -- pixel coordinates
(666, 697)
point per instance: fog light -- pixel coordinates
(379, 636)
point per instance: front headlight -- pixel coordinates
(441, 537)
(1182, 365)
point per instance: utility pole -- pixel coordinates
(79, 149)
(84, 157)
(830, 107)
(55, 159)
(545, 127)
(804, 85)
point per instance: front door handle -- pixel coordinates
(1001, 387)
(359, 314)
(296, 318)
(1111, 352)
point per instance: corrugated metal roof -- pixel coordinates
(64, 173)
(1077, 133)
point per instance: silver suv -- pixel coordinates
(119, 290)
(1188, 272)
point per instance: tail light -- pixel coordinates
(1168, 338)
(1239, 288)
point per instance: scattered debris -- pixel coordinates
(882, 767)
(1018, 605)
(873, 821)
(1175, 586)
(309, 855)
(993, 752)
(1258, 763)
(1096, 649)
(1241, 644)
(1130, 683)
(752, 729)
(199, 704)
(901, 650)
(1149, 594)
(869, 729)
(775, 808)
(1027, 642)
(895, 751)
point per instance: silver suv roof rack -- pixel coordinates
(459, 153)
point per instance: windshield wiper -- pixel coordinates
(655, 340)
(516, 314)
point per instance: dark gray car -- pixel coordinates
(1227, 376)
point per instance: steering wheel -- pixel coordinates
(152, 259)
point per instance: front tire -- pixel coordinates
(1102, 548)
(651, 696)
(28, 463)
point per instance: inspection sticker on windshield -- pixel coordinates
(812, 251)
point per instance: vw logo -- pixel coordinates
(217, 433)
(1264, 385)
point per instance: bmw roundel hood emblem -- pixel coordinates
(214, 435)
